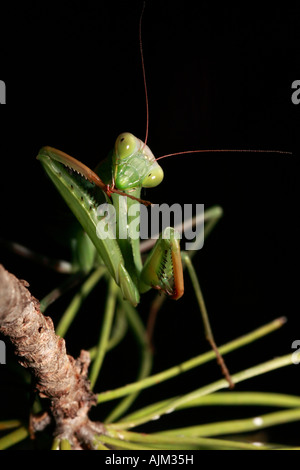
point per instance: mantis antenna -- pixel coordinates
(186, 151)
(144, 74)
(224, 150)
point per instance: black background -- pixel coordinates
(218, 78)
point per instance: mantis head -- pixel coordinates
(134, 164)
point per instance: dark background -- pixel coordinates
(218, 78)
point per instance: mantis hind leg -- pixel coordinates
(207, 328)
(211, 217)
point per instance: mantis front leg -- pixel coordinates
(163, 267)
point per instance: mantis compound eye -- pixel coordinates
(154, 176)
(126, 144)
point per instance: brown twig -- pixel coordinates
(58, 376)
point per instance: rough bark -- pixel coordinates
(57, 375)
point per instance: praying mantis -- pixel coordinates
(129, 289)
(129, 167)
(216, 272)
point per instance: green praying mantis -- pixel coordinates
(129, 167)
(117, 181)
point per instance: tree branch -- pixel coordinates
(58, 376)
